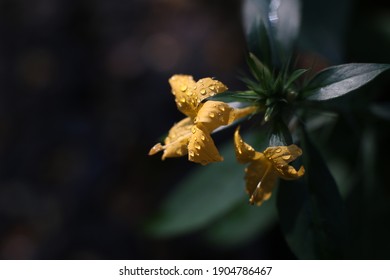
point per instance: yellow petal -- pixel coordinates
(239, 113)
(207, 87)
(260, 180)
(201, 147)
(214, 114)
(182, 88)
(281, 156)
(189, 94)
(244, 152)
(177, 140)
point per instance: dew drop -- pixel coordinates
(203, 92)
(183, 88)
(197, 146)
(278, 150)
(189, 93)
(193, 130)
(222, 108)
(211, 115)
(212, 87)
(202, 137)
(182, 100)
(191, 153)
(287, 157)
(179, 152)
(195, 87)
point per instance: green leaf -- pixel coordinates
(243, 224)
(259, 70)
(294, 76)
(271, 28)
(311, 210)
(338, 80)
(258, 88)
(205, 195)
(231, 96)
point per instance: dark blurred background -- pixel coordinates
(84, 94)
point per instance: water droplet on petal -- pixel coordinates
(222, 108)
(278, 150)
(287, 157)
(179, 152)
(211, 115)
(203, 92)
(195, 87)
(193, 130)
(191, 153)
(182, 100)
(183, 88)
(212, 87)
(197, 146)
(202, 137)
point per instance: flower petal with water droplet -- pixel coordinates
(212, 116)
(244, 152)
(260, 179)
(201, 147)
(177, 140)
(189, 94)
(281, 156)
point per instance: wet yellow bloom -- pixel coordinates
(264, 168)
(192, 134)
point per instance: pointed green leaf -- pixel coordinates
(294, 76)
(259, 70)
(254, 86)
(311, 210)
(231, 96)
(338, 80)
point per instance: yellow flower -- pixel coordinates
(192, 134)
(264, 168)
